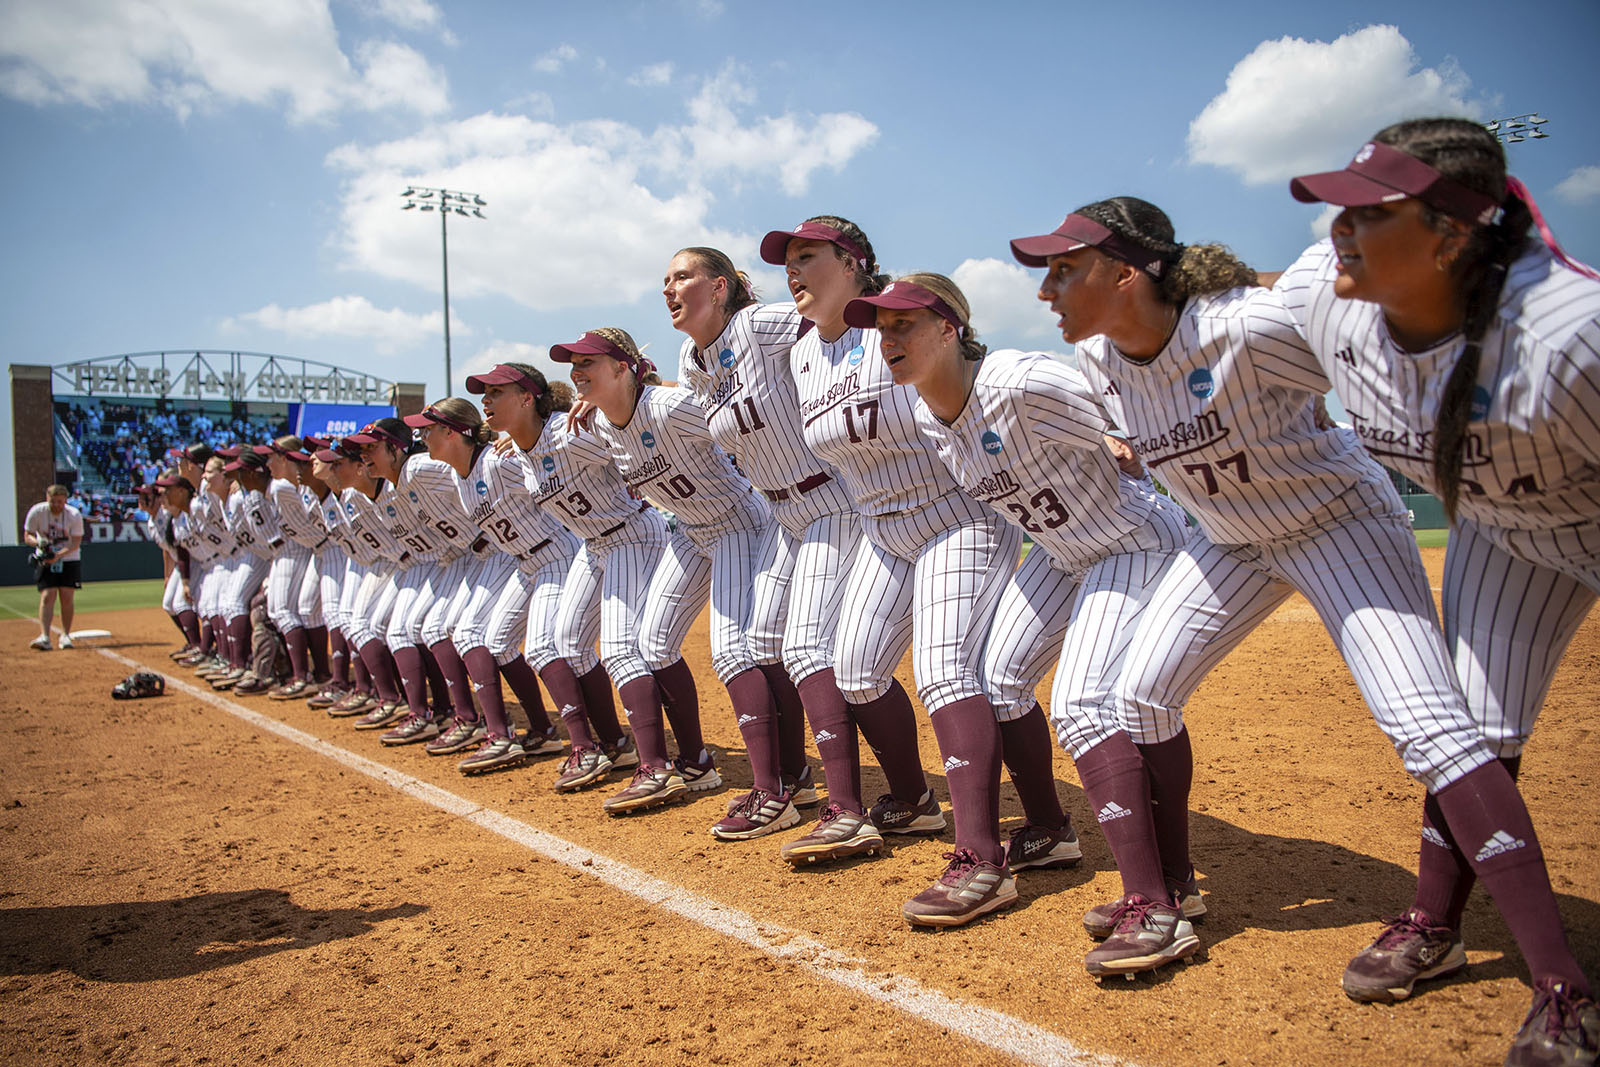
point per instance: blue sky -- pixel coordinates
(186, 174)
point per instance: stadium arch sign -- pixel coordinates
(216, 375)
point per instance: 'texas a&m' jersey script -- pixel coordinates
(666, 455)
(1030, 444)
(1532, 459)
(859, 421)
(571, 476)
(746, 388)
(495, 496)
(1223, 416)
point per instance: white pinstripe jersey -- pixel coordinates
(1532, 458)
(863, 424)
(744, 384)
(254, 523)
(159, 527)
(331, 507)
(666, 456)
(202, 545)
(1223, 417)
(429, 500)
(572, 477)
(1030, 444)
(366, 517)
(494, 495)
(209, 514)
(299, 524)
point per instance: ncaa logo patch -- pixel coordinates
(991, 442)
(549, 463)
(390, 511)
(1480, 404)
(414, 499)
(349, 509)
(1201, 384)
(648, 438)
(725, 357)
(482, 488)
(855, 355)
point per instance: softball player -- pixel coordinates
(570, 475)
(260, 534)
(1023, 433)
(291, 575)
(511, 596)
(927, 573)
(208, 518)
(1218, 392)
(192, 462)
(660, 445)
(736, 361)
(340, 468)
(175, 593)
(198, 552)
(1468, 358)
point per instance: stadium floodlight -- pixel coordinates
(449, 199)
(408, 206)
(1518, 128)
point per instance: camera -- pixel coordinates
(40, 555)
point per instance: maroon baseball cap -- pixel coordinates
(1380, 173)
(295, 454)
(775, 245)
(252, 460)
(231, 451)
(313, 444)
(338, 450)
(173, 482)
(1079, 231)
(501, 375)
(591, 344)
(388, 431)
(899, 296)
(432, 416)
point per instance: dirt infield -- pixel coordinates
(180, 885)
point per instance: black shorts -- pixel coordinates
(70, 576)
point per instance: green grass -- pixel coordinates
(23, 600)
(1432, 538)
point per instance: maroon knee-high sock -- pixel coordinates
(317, 645)
(1490, 822)
(219, 638)
(457, 683)
(567, 694)
(599, 705)
(758, 724)
(835, 734)
(361, 677)
(239, 640)
(339, 658)
(1169, 767)
(413, 678)
(969, 741)
(642, 701)
(523, 682)
(178, 623)
(208, 636)
(486, 682)
(380, 668)
(1444, 877)
(438, 687)
(791, 720)
(299, 653)
(1114, 780)
(680, 699)
(1026, 747)
(189, 623)
(890, 727)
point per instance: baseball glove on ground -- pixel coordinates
(142, 684)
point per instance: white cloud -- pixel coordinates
(1294, 106)
(1324, 221)
(552, 61)
(351, 317)
(1005, 302)
(656, 74)
(1581, 186)
(407, 14)
(189, 56)
(581, 214)
(510, 352)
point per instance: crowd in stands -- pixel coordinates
(129, 444)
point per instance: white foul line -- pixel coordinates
(1003, 1033)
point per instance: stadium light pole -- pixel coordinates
(444, 201)
(1518, 128)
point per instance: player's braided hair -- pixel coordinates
(716, 263)
(1192, 270)
(971, 348)
(466, 413)
(644, 371)
(553, 396)
(1465, 152)
(871, 280)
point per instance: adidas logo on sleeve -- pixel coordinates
(1112, 810)
(1500, 843)
(826, 735)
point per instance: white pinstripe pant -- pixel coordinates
(172, 599)
(239, 583)
(285, 581)
(524, 617)
(206, 586)
(715, 561)
(1363, 575)
(374, 599)
(319, 596)
(604, 596)
(927, 579)
(799, 582)
(415, 589)
(1510, 611)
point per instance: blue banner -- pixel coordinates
(337, 420)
